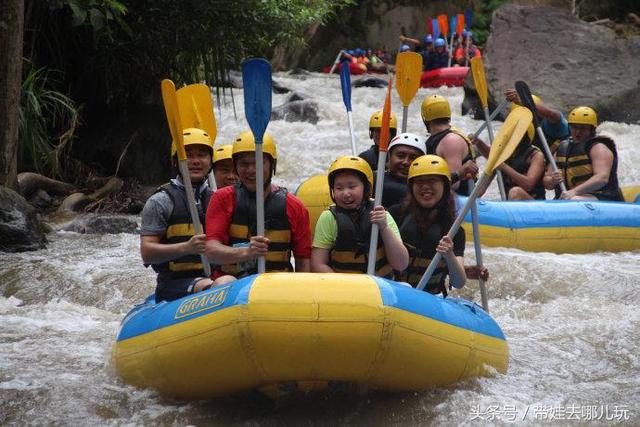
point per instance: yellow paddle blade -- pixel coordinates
(196, 108)
(173, 116)
(386, 116)
(408, 74)
(477, 71)
(508, 138)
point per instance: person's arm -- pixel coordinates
(529, 180)
(601, 162)
(455, 264)
(153, 251)
(482, 147)
(396, 253)
(554, 116)
(551, 178)
(303, 265)
(474, 272)
(409, 40)
(320, 261)
(298, 216)
(453, 149)
(219, 253)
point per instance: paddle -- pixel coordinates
(436, 28)
(429, 23)
(527, 100)
(336, 62)
(468, 15)
(443, 23)
(256, 80)
(345, 85)
(170, 101)
(382, 157)
(503, 147)
(460, 23)
(196, 111)
(493, 115)
(408, 73)
(480, 82)
(454, 22)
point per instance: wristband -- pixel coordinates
(454, 178)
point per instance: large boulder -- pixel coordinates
(20, 228)
(102, 224)
(297, 111)
(566, 61)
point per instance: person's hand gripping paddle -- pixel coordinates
(257, 84)
(170, 101)
(382, 157)
(408, 73)
(504, 145)
(527, 101)
(480, 82)
(196, 111)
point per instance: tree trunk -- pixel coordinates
(11, 34)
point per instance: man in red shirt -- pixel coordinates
(231, 221)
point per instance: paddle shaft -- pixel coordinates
(373, 244)
(503, 193)
(547, 152)
(451, 48)
(405, 113)
(212, 181)
(493, 115)
(260, 200)
(336, 62)
(483, 182)
(354, 150)
(193, 210)
(478, 250)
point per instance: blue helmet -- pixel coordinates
(405, 48)
(470, 34)
(351, 52)
(359, 52)
(440, 42)
(428, 39)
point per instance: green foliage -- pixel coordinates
(482, 16)
(44, 112)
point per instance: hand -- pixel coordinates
(568, 195)
(379, 216)
(468, 171)
(474, 272)
(445, 246)
(258, 246)
(196, 244)
(402, 38)
(512, 96)
(556, 177)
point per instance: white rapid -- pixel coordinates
(572, 321)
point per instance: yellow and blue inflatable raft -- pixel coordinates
(539, 226)
(306, 328)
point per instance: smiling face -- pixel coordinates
(400, 158)
(198, 161)
(581, 133)
(246, 167)
(428, 190)
(224, 173)
(348, 190)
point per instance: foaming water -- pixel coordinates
(572, 321)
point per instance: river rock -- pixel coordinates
(296, 96)
(297, 111)
(20, 228)
(564, 60)
(102, 224)
(370, 82)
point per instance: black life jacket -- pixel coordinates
(351, 251)
(371, 156)
(575, 162)
(520, 164)
(180, 229)
(394, 190)
(465, 188)
(277, 230)
(422, 249)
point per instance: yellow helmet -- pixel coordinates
(435, 107)
(246, 143)
(429, 165)
(193, 136)
(376, 120)
(353, 163)
(222, 152)
(583, 116)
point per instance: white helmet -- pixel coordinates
(410, 140)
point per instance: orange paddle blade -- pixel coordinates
(460, 23)
(386, 115)
(443, 23)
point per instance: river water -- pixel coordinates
(572, 321)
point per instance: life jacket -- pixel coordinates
(277, 230)
(394, 189)
(180, 229)
(575, 162)
(351, 251)
(371, 156)
(465, 188)
(520, 164)
(422, 249)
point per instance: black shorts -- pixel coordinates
(169, 290)
(609, 197)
